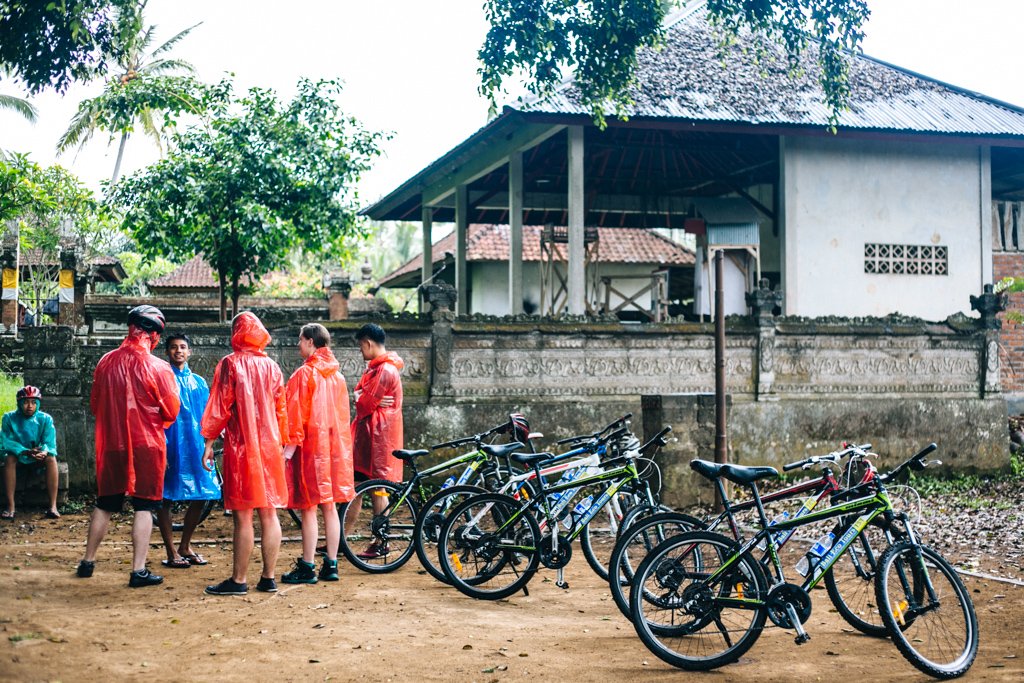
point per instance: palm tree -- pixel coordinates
(16, 104)
(135, 65)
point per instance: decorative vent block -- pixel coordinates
(906, 259)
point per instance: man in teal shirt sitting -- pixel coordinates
(27, 436)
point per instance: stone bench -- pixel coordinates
(30, 489)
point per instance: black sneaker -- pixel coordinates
(304, 572)
(266, 585)
(85, 568)
(329, 570)
(227, 587)
(143, 578)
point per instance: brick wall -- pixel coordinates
(1011, 264)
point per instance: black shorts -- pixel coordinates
(115, 503)
(360, 476)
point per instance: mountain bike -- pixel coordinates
(390, 528)
(850, 582)
(699, 601)
(490, 545)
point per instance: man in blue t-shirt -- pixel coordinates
(27, 437)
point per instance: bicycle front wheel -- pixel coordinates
(376, 529)
(487, 548)
(431, 519)
(927, 610)
(694, 605)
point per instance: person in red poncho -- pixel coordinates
(319, 451)
(247, 405)
(377, 427)
(134, 398)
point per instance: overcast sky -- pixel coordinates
(410, 66)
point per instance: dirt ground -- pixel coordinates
(394, 627)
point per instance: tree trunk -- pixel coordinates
(120, 157)
(222, 291)
(234, 295)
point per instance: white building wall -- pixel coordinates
(489, 285)
(840, 194)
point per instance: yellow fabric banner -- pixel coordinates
(10, 278)
(67, 279)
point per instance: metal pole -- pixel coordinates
(721, 449)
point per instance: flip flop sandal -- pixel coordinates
(50, 514)
(195, 559)
(177, 563)
(6, 514)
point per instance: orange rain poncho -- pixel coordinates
(247, 403)
(134, 398)
(377, 431)
(321, 469)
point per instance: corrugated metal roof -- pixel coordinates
(692, 78)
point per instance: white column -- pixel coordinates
(985, 217)
(461, 231)
(787, 230)
(515, 233)
(577, 248)
(427, 271)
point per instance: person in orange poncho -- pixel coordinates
(247, 404)
(134, 398)
(319, 451)
(377, 427)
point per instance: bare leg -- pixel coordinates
(192, 515)
(310, 534)
(10, 474)
(270, 543)
(243, 541)
(51, 482)
(142, 531)
(352, 514)
(98, 524)
(163, 517)
(332, 529)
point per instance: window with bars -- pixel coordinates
(906, 259)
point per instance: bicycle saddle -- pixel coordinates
(531, 458)
(706, 468)
(747, 475)
(500, 450)
(409, 456)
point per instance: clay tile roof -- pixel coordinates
(37, 257)
(193, 274)
(617, 245)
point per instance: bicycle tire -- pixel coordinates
(424, 538)
(850, 582)
(470, 552)
(641, 530)
(901, 565)
(668, 566)
(598, 545)
(391, 560)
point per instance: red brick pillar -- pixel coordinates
(338, 287)
(1011, 336)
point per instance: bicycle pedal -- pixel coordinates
(802, 638)
(564, 585)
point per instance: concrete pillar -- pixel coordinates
(985, 213)
(427, 271)
(577, 246)
(9, 266)
(338, 286)
(515, 233)
(461, 234)
(70, 265)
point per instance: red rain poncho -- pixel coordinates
(321, 469)
(247, 403)
(377, 431)
(134, 398)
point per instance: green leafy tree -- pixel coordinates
(18, 106)
(537, 42)
(258, 180)
(148, 88)
(140, 270)
(50, 44)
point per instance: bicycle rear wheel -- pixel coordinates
(927, 610)
(483, 553)
(686, 617)
(635, 542)
(383, 541)
(431, 519)
(850, 582)
(597, 539)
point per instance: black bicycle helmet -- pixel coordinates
(148, 318)
(519, 427)
(29, 391)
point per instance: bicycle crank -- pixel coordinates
(789, 606)
(555, 554)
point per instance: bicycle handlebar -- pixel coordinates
(597, 434)
(848, 449)
(657, 442)
(915, 462)
(476, 438)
